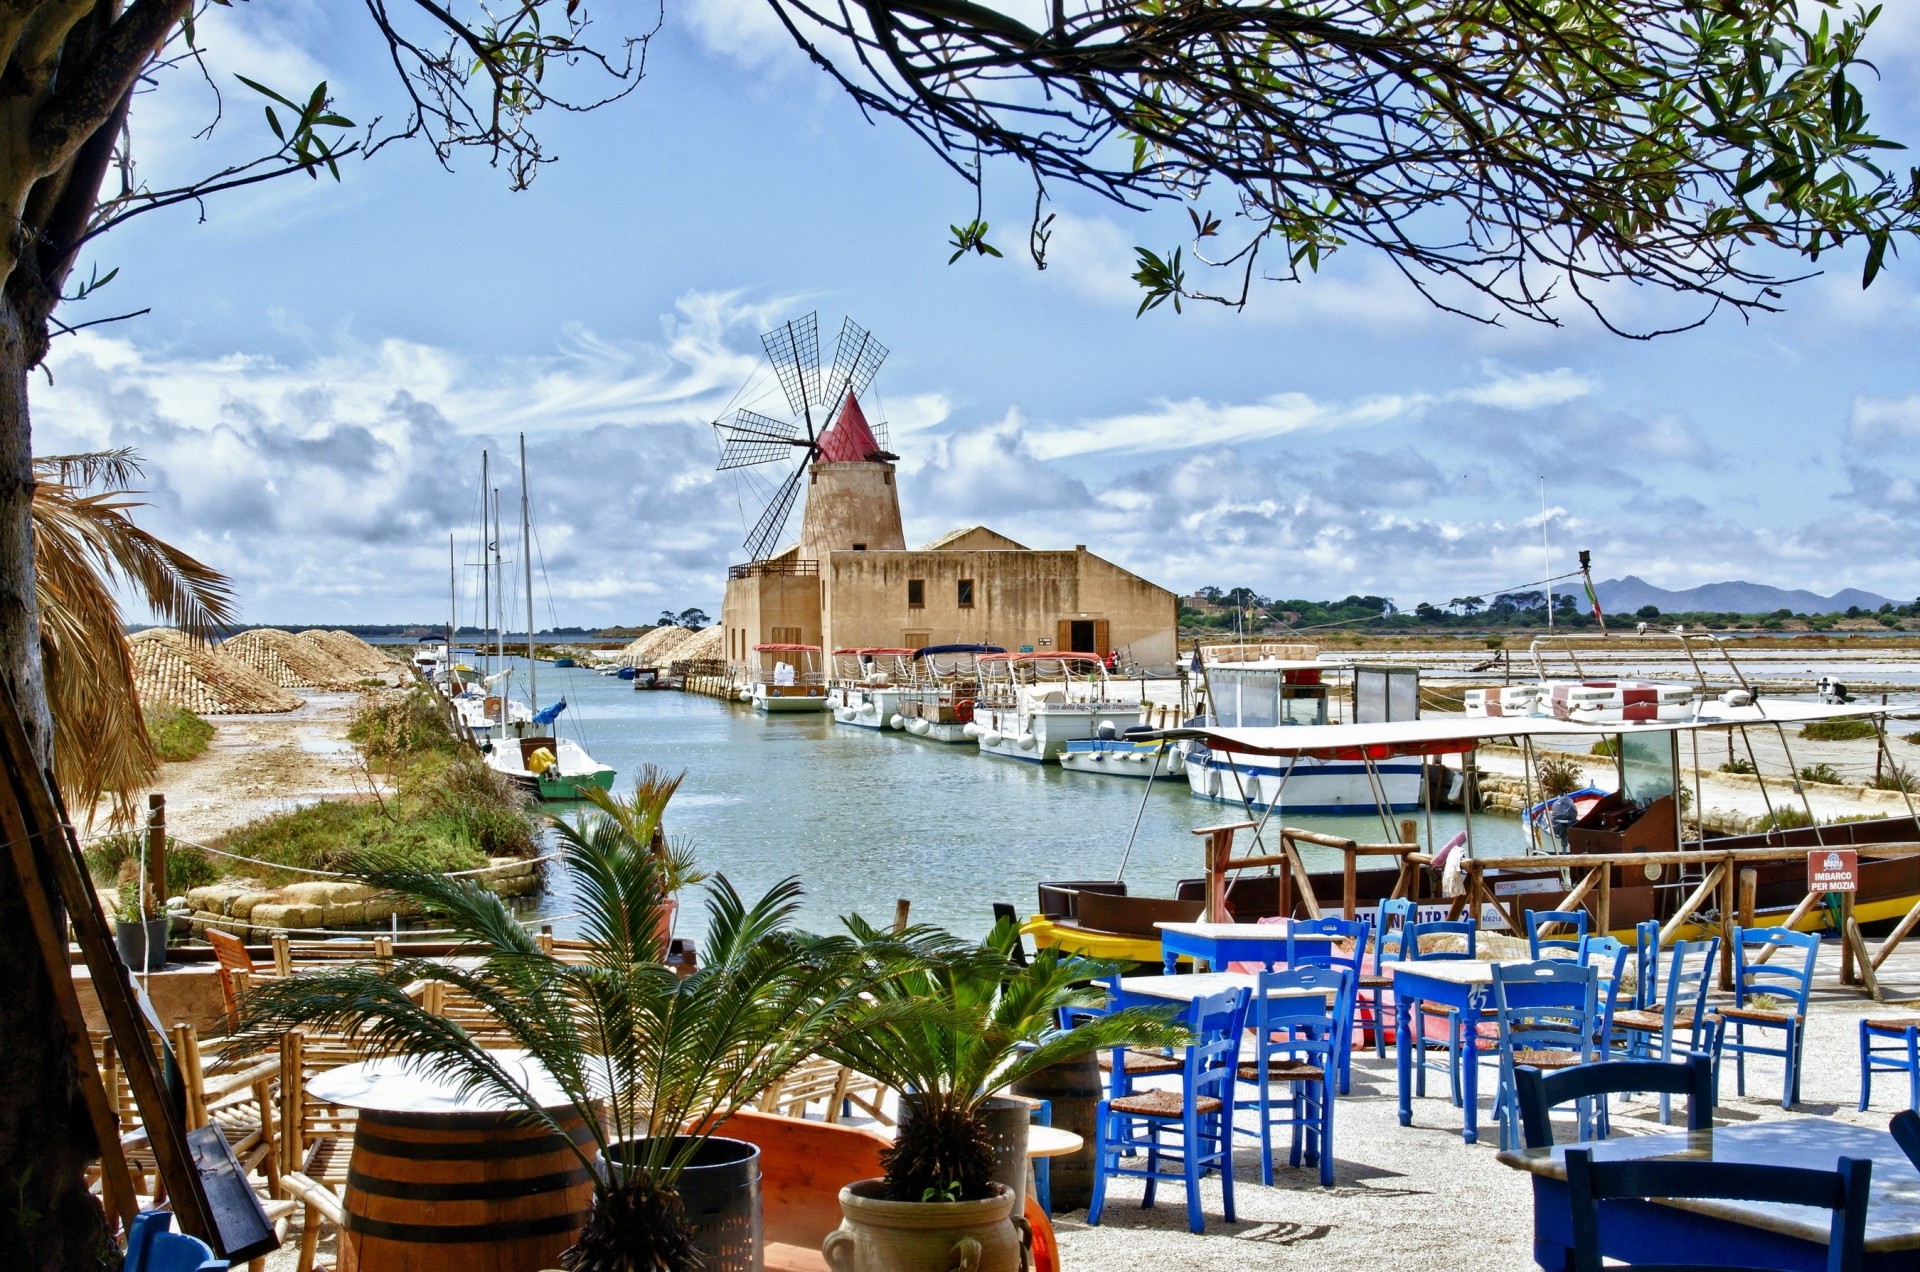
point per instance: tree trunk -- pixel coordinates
(48, 1219)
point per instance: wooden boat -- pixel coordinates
(938, 706)
(787, 678)
(1640, 816)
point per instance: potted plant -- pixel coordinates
(983, 1022)
(141, 937)
(639, 818)
(649, 1061)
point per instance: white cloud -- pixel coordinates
(1877, 422)
(1529, 391)
(747, 32)
(1196, 422)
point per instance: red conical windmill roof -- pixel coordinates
(850, 440)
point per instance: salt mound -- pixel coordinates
(658, 647)
(361, 658)
(169, 668)
(290, 661)
(710, 644)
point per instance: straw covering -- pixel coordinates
(290, 661)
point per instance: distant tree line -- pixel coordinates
(1241, 609)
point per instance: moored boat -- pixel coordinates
(938, 705)
(1031, 705)
(868, 685)
(787, 678)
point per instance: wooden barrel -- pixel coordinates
(1073, 1087)
(462, 1193)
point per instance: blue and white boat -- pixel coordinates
(1254, 687)
(1123, 757)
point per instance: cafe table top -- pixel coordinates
(1815, 1143)
(399, 1084)
(1184, 989)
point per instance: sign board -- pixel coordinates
(1833, 870)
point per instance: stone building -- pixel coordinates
(852, 582)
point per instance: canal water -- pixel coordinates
(864, 818)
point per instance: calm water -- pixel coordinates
(864, 818)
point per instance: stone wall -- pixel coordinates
(256, 914)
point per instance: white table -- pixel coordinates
(1222, 943)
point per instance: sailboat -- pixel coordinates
(532, 753)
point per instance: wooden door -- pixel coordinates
(1100, 637)
(1063, 635)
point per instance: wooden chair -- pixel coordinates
(1902, 1057)
(819, 1079)
(237, 970)
(1652, 1032)
(1589, 1183)
(1539, 1093)
(316, 1138)
(803, 1167)
(1546, 1012)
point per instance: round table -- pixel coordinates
(461, 1182)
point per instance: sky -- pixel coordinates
(324, 362)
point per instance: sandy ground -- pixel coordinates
(1406, 1195)
(261, 764)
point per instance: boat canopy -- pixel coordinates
(786, 649)
(1450, 735)
(955, 649)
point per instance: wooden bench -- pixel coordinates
(803, 1167)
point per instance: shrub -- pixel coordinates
(1738, 766)
(1559, 774)
(1786, 819)
(1824, 774)
(393, 727)
(1838, 730)
(1897, 777)
(1605, 746)
(177, 733)
(1912, 739)
(112, 858)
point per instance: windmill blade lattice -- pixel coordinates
(750, 438)
(773, 522)
(856, 360)
(794, 349)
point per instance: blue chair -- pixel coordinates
(1540, 1093)
(1299, 1038)
(1413, 937)
(1546, 1012)
(152, 1246)
(1372, 1009)
(1540, 946)
(1589, 1183)
(1200, 1112)
(1786, 978)
(1043, 1166)
(1646, 963)
(1905, 1129)
(1121, 1064)
(1902, 1057)
(1354, 933)
(1652, 1033)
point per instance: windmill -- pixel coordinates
(749, 439)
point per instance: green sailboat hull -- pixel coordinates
(559, 788)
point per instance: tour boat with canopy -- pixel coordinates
(1032, 704)
(945, 683)
(868, 685)
(788, 678)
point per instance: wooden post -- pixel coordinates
(900, 909)
(1727, 926)
(156, 853)
(1219, 852)
(1349, 883)
(1408, 829)
(1603, 906)
(1900, 933)
(1847, 974)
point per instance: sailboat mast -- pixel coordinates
(499, 608)
(453, 604)
(526, 554)
(1546, 554)
(486, 576)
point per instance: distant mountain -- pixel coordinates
(1624, 596)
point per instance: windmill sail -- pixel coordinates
(794, 349)
(750, 439)
(773, 522)
(856, 360)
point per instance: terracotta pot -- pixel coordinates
(880, 1235)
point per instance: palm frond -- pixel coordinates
(85, 544)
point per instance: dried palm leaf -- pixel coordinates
(85, 545)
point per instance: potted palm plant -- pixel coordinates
(979, 1022)
(640, 818)
(649, 1061)
(141, 937)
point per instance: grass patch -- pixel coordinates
(1897, 777)
(177, 733)
(436, 805)
(1738, 766)
(1837, 730)
(1824, 774)
(113, 859)
(1786, 819)
(1912, 739)
(1605, 746)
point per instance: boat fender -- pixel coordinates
(972, 730)
(896, 721)
(1025, 741)
(988, 738)
(919, 728)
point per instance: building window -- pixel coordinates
(964, 594)
(916, 593)
(917, 640)
(859, 547)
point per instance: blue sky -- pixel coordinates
(324, 363)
